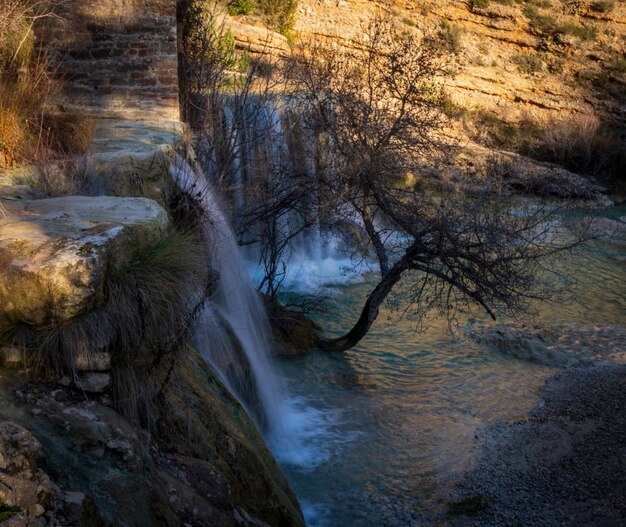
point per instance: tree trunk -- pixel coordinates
(368, 221)
(369, 313)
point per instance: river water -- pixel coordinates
(388, 427)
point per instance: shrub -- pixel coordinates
(240, 7)
(478, 4)
(495, 132)
(603, 6)
(555, 65)
(27, 133)
(453, 109)
(529, 63)
(618, 66)
(21, 107)
(582, 32)
(280, 14)
(17, 40)
(538, 21)
(451, 35)
(583, 145)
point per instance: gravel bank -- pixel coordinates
(565, 465)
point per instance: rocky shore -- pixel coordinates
(564, 465)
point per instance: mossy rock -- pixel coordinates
(200, 420)
(54, 252)
(294, 333)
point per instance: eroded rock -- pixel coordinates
(53, 253)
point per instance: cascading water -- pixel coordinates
(233, 335)
(269, 148)
(235, 305)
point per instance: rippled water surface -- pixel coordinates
(393, 423)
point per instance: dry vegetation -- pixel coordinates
(581, 143)
(29, 131)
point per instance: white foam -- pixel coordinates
(308, 435)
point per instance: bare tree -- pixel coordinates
(378, 106)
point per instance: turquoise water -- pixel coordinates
(393, 423)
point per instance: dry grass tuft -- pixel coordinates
(150, 302)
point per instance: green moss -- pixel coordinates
(7, 512)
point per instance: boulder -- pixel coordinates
(258, 40)
(203, 463)
(601, 228)
(54, 253)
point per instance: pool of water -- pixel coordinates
(393, 423)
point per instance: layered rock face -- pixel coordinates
(550, 60)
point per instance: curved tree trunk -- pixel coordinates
(379, 247)
(369, 313)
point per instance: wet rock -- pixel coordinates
(94, 382)
(93, 361)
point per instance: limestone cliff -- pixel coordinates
(552, 58)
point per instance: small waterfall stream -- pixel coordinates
(235, 309)
(234, 336)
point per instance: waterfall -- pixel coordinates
(235, 316)
(269, 149)
(234, 336)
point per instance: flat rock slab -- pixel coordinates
(53, 253)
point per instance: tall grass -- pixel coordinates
(29, 132)
(22, 99)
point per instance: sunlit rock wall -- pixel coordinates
(116, 56)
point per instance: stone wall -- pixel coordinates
(118, 57)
